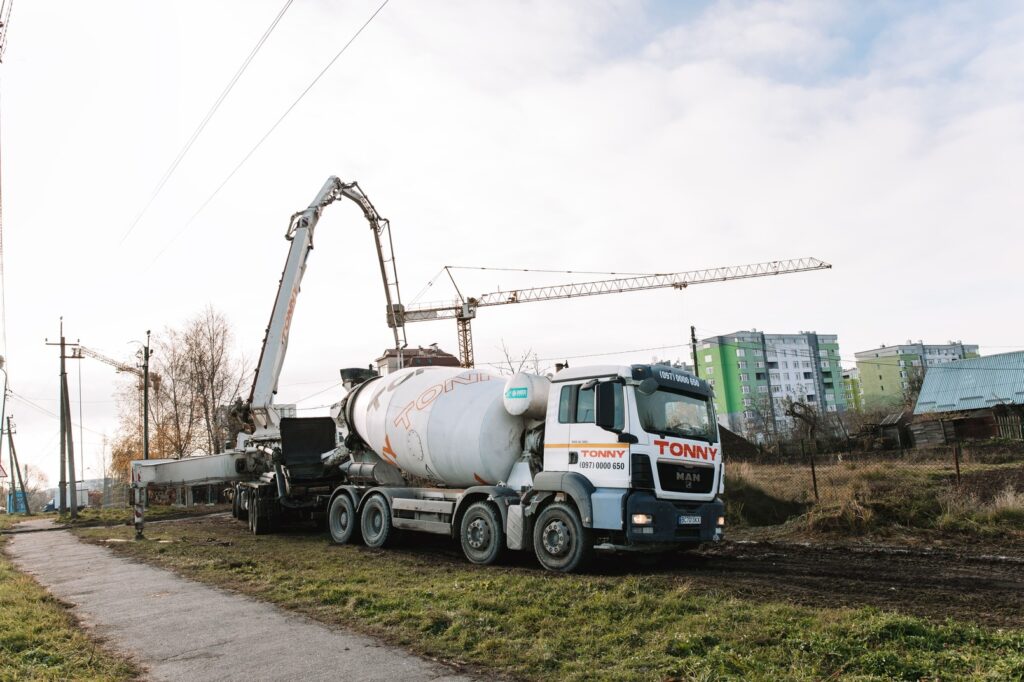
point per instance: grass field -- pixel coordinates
(39, 640)
(520, 621)
(864, 496)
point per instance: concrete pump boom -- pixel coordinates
(275, 342)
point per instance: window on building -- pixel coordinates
(739, 352)
(760, 365)
(748, 414)
(707, 358)
(824, 364)
(759, 376)
(741, 365)
(747, 402)
(709, 371)
(744, 377)
(785, 365)
(806, 363)
(745, 389)
(758, 354)
(776, 390)
(762, 389)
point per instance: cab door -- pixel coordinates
(593, 451)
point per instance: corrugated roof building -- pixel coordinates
(972, 399)
(973, 384)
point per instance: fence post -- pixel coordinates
(956, 460)
(814, 474)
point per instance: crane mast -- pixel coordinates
(464, 310)
(275, 342)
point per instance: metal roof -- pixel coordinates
(973, 384)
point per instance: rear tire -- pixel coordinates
(560, 541)
(342, 520)
(481, 533)
(375, 521)
(244, 503)
(262, 516)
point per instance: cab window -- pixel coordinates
(576, 406)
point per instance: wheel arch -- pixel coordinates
(495, 494)
(577, 488)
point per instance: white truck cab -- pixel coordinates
(645, 438)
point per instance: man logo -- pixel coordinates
(687, 477)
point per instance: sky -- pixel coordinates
(884, 138)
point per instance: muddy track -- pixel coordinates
(933, 584)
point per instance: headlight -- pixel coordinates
(720, 521)
(642, 519)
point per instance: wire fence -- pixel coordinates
(914, 487)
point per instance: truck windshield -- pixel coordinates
(668, 413)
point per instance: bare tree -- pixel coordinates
(216, 376)
(761, 427)
(513, 364)
(912, 386)
(174, 408)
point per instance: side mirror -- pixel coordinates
(604, 405)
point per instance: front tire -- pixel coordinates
(341, 519)
(375, 521)
(560, 541)
(483, 538)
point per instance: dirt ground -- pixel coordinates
(933, 584)
(966, 584)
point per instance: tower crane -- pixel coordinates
(464, 310)
(79, 352)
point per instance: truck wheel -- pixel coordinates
(342, 519)
(560, 541)
(483, 538)
(243, 504)
(375, 521)
(260, 515)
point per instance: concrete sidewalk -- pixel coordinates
(182, 630)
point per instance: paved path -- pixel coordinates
(182, 630)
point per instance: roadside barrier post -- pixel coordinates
(139, 510)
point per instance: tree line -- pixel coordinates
(195, 372)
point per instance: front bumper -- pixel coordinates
(666, 528)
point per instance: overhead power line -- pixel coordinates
(270, 131)
(216, 105)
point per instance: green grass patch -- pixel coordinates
(39, 640)
(524, 622)
(119, 516)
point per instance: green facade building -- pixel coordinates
(887, 373)
(755, 374)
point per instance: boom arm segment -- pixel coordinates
(300, 234)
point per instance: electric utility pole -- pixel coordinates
(693, 350)
(66, 464)
(145, 398)
(17, 468)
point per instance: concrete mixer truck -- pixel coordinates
(594, 458)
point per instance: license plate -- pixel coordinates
(689, 520)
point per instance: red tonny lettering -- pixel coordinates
(687, 450)
(602, 453)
